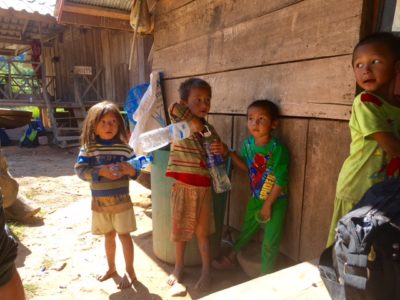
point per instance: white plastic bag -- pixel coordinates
(151, 112)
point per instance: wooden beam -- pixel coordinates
(95, 21)
(95, 11)
(24, 27)
(8, 52)
(15, 14)
(20, 42)
(58, 9)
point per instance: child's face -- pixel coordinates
(374, 68)
(259, 122)
(107, 128)
(199, 102)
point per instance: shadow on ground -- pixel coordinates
(137, 292)
(220, 279)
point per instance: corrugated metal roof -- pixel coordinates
(125, 5)
(43, 7)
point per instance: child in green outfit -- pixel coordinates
(374, 123)
(266, 159)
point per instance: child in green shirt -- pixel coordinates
(266, 159)
(374, 123)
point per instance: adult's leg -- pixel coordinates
(273, 235)
(127, 247)
(13, 289)
(109, 245)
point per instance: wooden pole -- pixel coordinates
(135, 33)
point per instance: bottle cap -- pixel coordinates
(206, 132)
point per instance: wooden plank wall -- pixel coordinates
(296, 53)
(101, 48)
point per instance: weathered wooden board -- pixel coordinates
(307, 30)
(322, 88)
(300, 282)
(223, 126)
(328, 146)
(166, 6)
(240, 193)
(107, 49)
(207, 16)
(293, 133)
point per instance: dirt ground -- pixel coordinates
(59, 257)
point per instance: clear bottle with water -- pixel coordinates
(158, 138)
(216, 167)
(140, 162)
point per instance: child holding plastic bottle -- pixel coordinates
(191, 200)
(374, 123)
(102, 162)
(266, 160)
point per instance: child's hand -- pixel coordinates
(111, 172)
(127, 169)
(219, 148)
(266, 211)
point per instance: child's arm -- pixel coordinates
(222, 149)
(281, 171)
(273, 196)
(238, 161)
(89, 173)
(180, 112)
(388, 142)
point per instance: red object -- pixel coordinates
(35, 57)
(393, 167)
(368, 98)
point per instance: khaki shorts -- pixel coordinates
(191, 206)
(123, 222)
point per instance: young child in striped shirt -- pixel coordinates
(192, 208)
(102, 162)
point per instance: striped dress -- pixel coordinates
(108, 196)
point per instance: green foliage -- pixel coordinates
(34, 109)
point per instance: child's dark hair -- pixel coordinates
(388, 39)
(193, 83)
(270, 107)
(94, 115)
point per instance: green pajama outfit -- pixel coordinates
(272, 231)
(268, 165)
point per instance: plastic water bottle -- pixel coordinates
(217, 169)
(140, 162)
(158, 138)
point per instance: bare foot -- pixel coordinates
(127, 280)
(175, 277)
(204, 282)
(110, 273)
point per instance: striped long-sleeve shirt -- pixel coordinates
(108, 196)
(187, 159)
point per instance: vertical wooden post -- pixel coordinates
(10, 94)
(49, 111)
